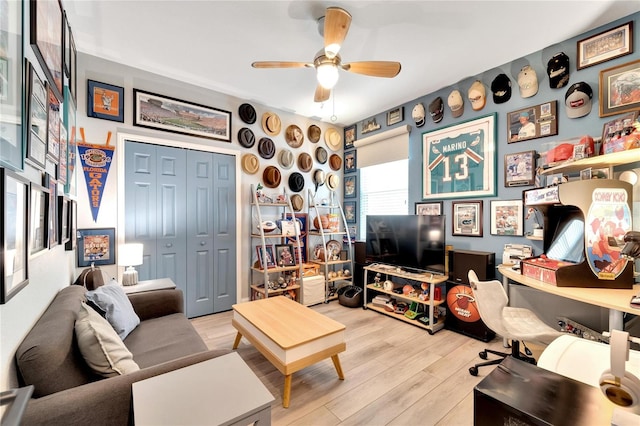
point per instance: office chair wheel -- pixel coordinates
(482, 355)
(473, 371)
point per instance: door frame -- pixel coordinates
(120, 162)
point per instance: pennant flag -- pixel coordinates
(95, 160)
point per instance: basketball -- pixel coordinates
(462, 304)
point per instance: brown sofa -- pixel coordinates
(68, 392)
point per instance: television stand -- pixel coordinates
(429, 316)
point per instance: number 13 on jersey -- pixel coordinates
(460, 161)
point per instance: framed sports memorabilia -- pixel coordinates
(46, 39)
(519, 169)
(619, 88)
(605, 46)
(532, 122)
(429, 209)
(460, 160)
(467, 218)
(96, 246)
(506, 217)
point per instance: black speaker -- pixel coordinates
(461, 261)
(360, 254)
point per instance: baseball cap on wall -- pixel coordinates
(558, 70)
(456, 103)
(528, 81)
(418, 114)
(577, 100)
(436, 109)
(501, 89)
(477, 95)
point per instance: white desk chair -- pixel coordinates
(507, 321)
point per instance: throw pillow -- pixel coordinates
(100, 346)
(92, 278)
(113, 301)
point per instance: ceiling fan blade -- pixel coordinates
(277, 64)
(336, 26)
(322, 94)
(374, 68)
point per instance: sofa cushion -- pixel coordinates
(115, 304)
(92, 278)
(100, 346)
(163, 339)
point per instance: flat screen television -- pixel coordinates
(413, 241)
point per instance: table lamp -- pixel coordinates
(130, 256)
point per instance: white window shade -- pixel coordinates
(385, 147)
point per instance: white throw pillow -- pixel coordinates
(115, 304)
(100, 346)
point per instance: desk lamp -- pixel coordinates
(130, 256)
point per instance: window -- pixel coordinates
(384, 189)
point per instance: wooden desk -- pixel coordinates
(616, 300)
(290, 335)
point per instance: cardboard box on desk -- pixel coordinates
(542, 269)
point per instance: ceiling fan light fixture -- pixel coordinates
(327, 75)
(331, 50)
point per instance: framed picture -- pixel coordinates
(585, 174)
(53, 127)
(284, 255)
(532, 122)
(51, 183)
(369, 125)
(105, 101)
(351, 211)
(605, 46)
(61, 174)
(14, 244)
(350, 187)
(269, 260)
(96, 246)
(350, 161)
(506, 217)
(602, 173)
(173, 115)
(519, 168)
(64, 231)
(612, 132)
(432, 208)
(555, 179)
(467, 218)
(459, 161)
(46, 40)
(37, 119)
(11, 86)
(394, 116)
(73, 212)
(38, 219)
(619, 88)
(349, 136)
(73, 68)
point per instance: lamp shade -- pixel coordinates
(131, 254)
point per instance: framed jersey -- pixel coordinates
(459, 161)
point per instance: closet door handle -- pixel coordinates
(203, 243)
(169, 245)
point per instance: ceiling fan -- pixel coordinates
(327, 60)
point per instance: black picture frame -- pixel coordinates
(73, 227)
(38, 219)
(520, 168)
(64, 231)
(605, 46)
(351, 211)
(285, 255)
(105, 101)
(14, 244)
(37, 118)
(46, 36)
(542, 119)
(53, 127)
(350, 161)
(96, 246)
(201, 121)
(351, 186)
(349, 136)
(395, 116)
(51, 183)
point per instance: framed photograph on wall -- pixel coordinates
(51, 183)
(605, 46)
(519, 169)
(533, 122)
(14, 222)
(46, 40)
(351, 211)
(64, 231)
(394, 116)
(349, 136)
(431, 208)
(37, 119)
(105, 101)
(174, 115)
(459, 161)
(53, 128)
(96, 246)
(506, 217)
(269, 260)
(350, 161)
(467, 218)
(613, 130)
(285, 255)
(73, 212)
(38, 219)
(350, 187)
(619, 88)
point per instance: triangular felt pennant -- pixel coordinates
(95, 160)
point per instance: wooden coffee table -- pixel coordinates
(291, 336)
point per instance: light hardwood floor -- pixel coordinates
(395, 373)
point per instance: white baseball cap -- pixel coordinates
(477, 95)
(528, 81)
(456, 103)
(418, 114)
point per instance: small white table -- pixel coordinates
(148, 285)
(220, 391)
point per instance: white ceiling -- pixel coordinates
(213, 43)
